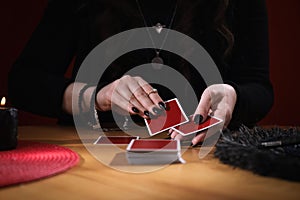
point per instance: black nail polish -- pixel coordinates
(150, 115)
(198, 119)
(134, 109)
(162, 105)
(147, 113)
(157, 111)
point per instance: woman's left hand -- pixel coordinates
(217, 100)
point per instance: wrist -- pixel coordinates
(67, 99)
(102, 100)
(231, 94)
(86, 99)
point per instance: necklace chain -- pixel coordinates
(157, 59)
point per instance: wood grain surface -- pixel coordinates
(197, 179)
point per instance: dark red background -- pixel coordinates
(19, 18)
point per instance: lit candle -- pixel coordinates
(8, 126)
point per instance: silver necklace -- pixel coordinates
(157, 61)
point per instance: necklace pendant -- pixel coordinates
(158, 27)
(157, 62)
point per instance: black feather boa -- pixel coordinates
(240, 149)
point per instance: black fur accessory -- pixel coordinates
(242, 149)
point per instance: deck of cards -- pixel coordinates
(154, 152)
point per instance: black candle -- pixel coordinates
(8, 127)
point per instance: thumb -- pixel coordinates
(203, 108)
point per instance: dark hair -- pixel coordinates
(221, 26)
(213, 13)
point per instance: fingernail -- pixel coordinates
(134, 109)
(162, 105)
(147, 113)
(198, 119)
(157, 111)
(150, 115)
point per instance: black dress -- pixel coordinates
(70, 29)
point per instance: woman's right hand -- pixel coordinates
(130, 95)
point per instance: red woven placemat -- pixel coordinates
(32, 160)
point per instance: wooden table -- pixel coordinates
(197, 179)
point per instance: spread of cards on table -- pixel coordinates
(160, 151)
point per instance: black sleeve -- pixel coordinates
(249, 66)
(36, 80)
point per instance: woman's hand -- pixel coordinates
(217, 100)
(131, 95)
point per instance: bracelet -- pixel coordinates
(92, 115)
(80, 97)
(95, 124)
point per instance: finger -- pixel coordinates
(160, 107)
(153, 95)
(135, 85)
(224, 115)
(198, 138)
(174, 134)
(137, 108)
(120, 99)
(152, 102)
(170, 132)
(141, 96)
(125, 88)
(157, 100)
(203, 108)
(121, 105)
(178, 137)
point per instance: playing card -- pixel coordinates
(173, 116)
(146, 145)
(115, 139)
(191, 128)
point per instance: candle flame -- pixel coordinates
(3, 101)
